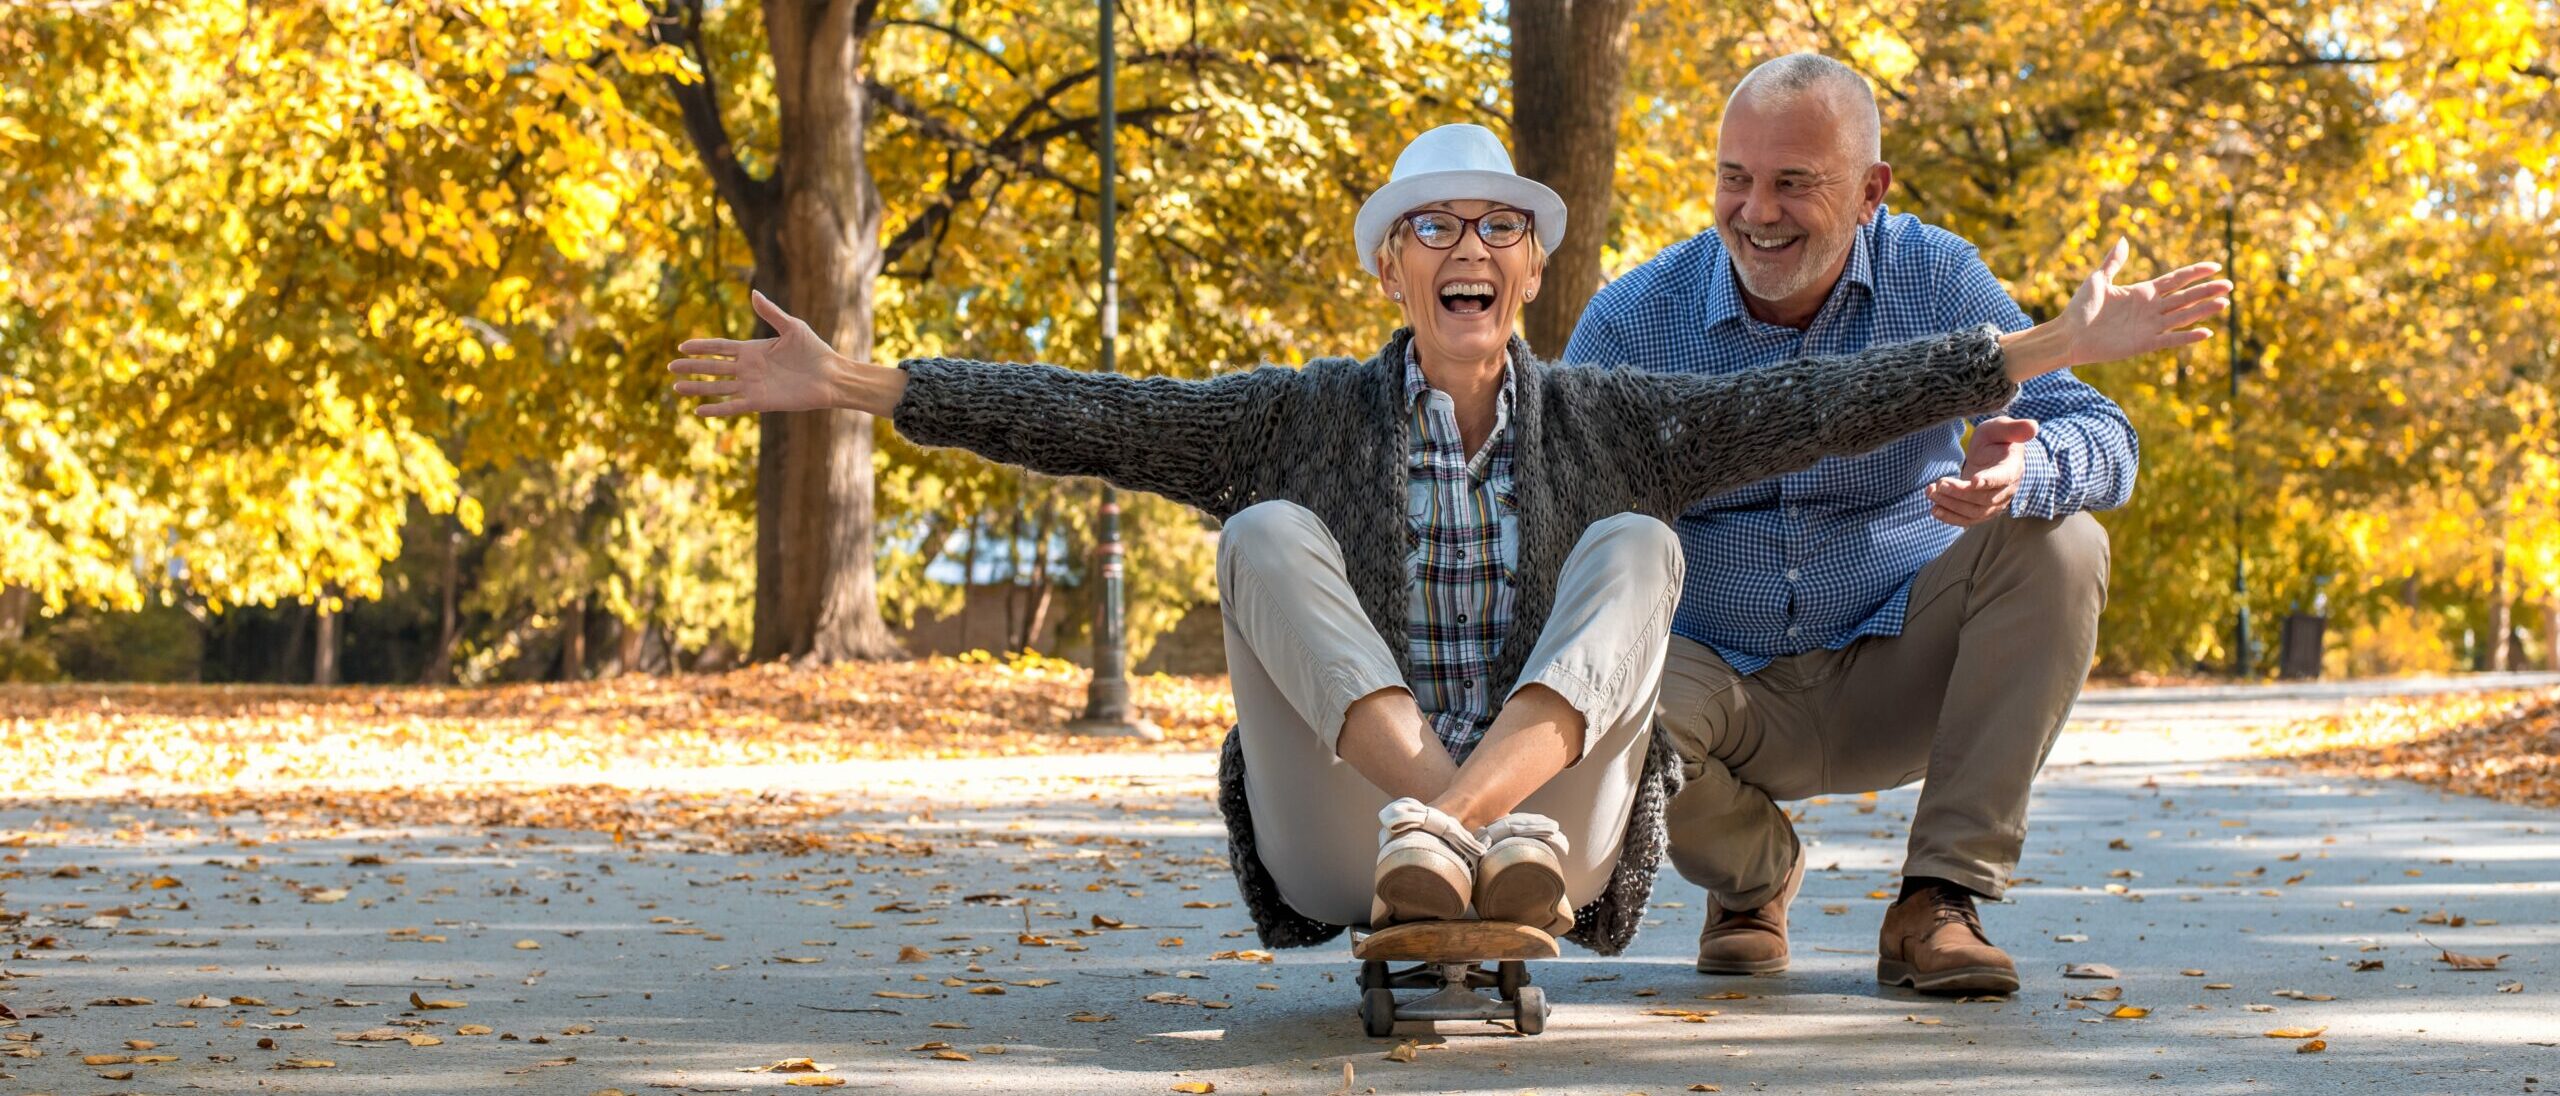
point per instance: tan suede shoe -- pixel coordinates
(1752, 941)
(1426, 866)
(1933, 942)
(1521, 878)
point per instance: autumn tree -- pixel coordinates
(2041, 136)
(1568, 68)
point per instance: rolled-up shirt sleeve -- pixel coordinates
(2085, 453)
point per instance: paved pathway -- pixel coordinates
(2232, 898)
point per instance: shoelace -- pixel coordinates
(1949, 908)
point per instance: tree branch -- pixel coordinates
(749, 199)
(955, 34)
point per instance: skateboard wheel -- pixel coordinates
(1512, 976)
(1531, 1015)
(1373, 974)
(1378, 1012)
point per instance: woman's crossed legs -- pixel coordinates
(1332, 737)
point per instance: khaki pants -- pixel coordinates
(1300, 651)
(1970, 695)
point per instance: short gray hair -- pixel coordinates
(1799, 74)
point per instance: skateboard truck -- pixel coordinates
(1450, 959)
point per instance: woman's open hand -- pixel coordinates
(793, 371)
(2108, 322)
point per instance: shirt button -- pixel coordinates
(1469, 684)
(1793, 631)
(1462, 618)
(1462, 553)
(1793, 574)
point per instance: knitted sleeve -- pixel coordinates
(1724, 431)
(1177, 438)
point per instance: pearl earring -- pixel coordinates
(1398, 294)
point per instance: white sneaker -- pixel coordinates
(1426, 865)
(1521, 876)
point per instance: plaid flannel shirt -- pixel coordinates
(1465, 541)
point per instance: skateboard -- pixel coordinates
(1451, 959)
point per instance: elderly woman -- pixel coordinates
(1445, 572)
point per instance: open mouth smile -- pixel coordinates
(1769, 245)
(1467, 298)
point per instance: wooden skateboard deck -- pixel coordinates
(1452, 941)
(1452, 959)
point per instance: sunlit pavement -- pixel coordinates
(1039, 904)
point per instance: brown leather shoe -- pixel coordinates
(1752, 941)
(1933, 942)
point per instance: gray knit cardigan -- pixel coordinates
(1588, 443)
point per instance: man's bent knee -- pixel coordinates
(2071, 550)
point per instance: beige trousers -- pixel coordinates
(1300, 651)
(1970, 695)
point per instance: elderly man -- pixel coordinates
(1926, 610)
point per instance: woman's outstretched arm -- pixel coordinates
(1725, 431)
(1180, 439)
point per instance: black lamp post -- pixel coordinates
(1106, 703)
(2235, 153)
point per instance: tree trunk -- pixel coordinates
(324, 660)
(440, 664)
(968, 584)
(295, 637)
(2501, 608)
(15, 603)
(828, 235)
(573, 645)
(1568, 67)
(814, 227)
(1013, 577)
(635, 645)
(2551, 631)
(1038, 613)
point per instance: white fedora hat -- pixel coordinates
(1449, 164)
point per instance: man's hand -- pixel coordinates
(1994, 461)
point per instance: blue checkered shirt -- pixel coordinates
(1824, 557)
(1465, 539)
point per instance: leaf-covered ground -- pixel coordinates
(76, 739)
(2503, 745)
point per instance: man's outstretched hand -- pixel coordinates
(793, 371)
(1994, 461)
